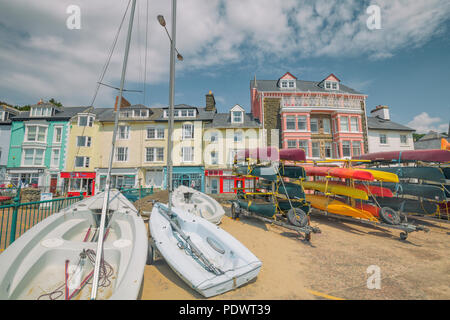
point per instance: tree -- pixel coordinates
(417, 136)
(56, 103)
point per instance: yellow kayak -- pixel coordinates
(382, 175)
(335, 189)
(337, 207)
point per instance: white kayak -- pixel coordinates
(197, 203)
(206, 257)
(55, 258)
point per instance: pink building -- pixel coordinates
(325, 118)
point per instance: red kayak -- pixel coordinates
(433, 155)
(343, 173)
(4, 198)
(375, 190)
(374, 210)
(292, 154)
(267, 154)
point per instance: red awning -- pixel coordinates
(78, 175)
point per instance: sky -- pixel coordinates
(225, 44)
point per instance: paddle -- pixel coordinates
(164, 212)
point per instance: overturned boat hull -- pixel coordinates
(234, 265)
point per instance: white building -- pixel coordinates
(386, 135)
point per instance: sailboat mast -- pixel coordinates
(99, 254)
(171, 103)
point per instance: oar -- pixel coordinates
(194, 248)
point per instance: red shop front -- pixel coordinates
(223, 181)
(79, 183)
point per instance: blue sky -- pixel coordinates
(225, 44)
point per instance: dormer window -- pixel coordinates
(183, 113)
(140, 113)
(85, 121)
(41, 111)
(287, 84)
(331, 85)
(237, 117)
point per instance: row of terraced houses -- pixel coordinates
(66, 149)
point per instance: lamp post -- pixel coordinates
(162, 22)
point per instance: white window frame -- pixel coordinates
(121, 157)
(34, 164)
(341, 124)
(312, 149)
(326, 120)
(87, 141)
(406, 139)
(238, 136)
(127, 132)
(237, 117)
(55, 135)
(347, 142)
(89, 120)
(85, 162)
(184, 153)
(293, 120)
(305, 123)
(184, 135)
(305, 147)
(156, 151)
(157, 131)
(27, 127)
(386, 139)
(289, 144)
(356, 145)
(316, 120)
(352, 119)
(52, 163)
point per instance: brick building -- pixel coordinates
(326, 118)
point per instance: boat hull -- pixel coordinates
(200, 204)
(423, 173)
(238, 264)
(335, 189)
(34, 264)
(342, 173)
(435, 155)
(410, 206)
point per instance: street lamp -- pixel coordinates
(162, 22)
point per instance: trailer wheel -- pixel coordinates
(297, 217)
(234, 210)
(389, 215)
(403, 235)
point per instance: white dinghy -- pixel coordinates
(55, 258)
(207, 258)
(197, 203)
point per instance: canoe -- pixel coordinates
(260, 207)
(382, 176)
(206, 257)
(432, 155)
(342, 173)
(265, 172)
(293, 190)
(36, 264)
(425, 191)
(292, 172)
(411, 205)
(265, 154)
(292, 155)
(337, 207)
(198, 204)
(335, 189)
(422, 173)
(369, 189)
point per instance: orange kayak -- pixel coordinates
(375, 190)
(343, 173)
(338, 207)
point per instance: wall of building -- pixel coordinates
(393, 141)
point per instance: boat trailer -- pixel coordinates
(404, 226)
(279, 220)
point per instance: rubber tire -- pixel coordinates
(234, 210)
(150, 254)
(403, 236)
(297, 217)
(390, 216)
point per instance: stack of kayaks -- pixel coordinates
(422, 189)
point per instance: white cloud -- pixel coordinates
(40, 57)
(423, 123)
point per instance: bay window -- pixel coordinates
(33, 157)
(36, 133)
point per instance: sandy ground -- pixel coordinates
(333, 265)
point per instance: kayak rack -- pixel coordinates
(237, 211)
(405, 227)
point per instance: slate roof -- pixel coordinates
(223, 120)
(301, 86)
(64, 114)
(377, 123)
(202, 114)
(433, 135)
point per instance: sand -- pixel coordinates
(333, 265)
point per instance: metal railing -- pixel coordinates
(136, 193)
(16, 218)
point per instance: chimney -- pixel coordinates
(124, 103)
(381, 112)
(210, 102)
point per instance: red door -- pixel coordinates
(53, 183)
